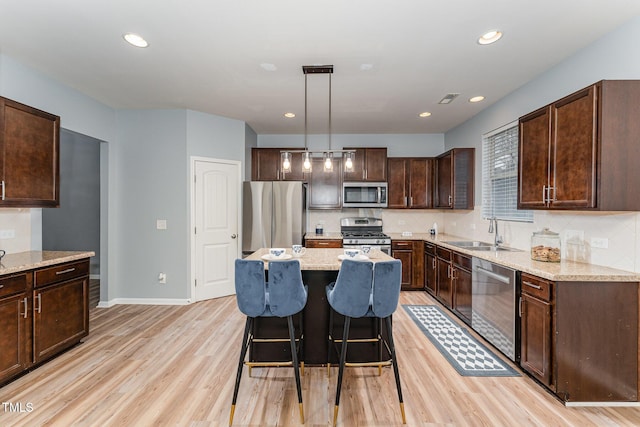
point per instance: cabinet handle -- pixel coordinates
(544, 194)
(554, 194)
(402, 244)
(1, 286)
(434, 263)
(448, 272)
(520, 307)
(410, 201)
(68, 270)
(3, 185)
(25, 308)
(323, 243)
(39, 298)
(406, 202)
(450, 199)
(534, 286)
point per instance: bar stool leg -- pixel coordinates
(330, 342)
(294, 357)
(392, 347)
(343, 357)
(243, 353)
(301, 345)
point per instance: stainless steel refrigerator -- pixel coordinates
(274, 214)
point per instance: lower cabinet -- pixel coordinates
(430, 269)
(461, 278)
(411, 254)
(445, 286)
(323, 243)
(42, 312)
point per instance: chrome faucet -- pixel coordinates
(494, 229)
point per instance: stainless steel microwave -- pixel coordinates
(364, 195)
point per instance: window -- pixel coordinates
(500, 175)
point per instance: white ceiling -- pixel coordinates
(206, 55)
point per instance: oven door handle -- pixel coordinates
(493, 275)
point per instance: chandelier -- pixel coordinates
(327, 155)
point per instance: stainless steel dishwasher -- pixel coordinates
(494, 306)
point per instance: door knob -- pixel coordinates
(233, 236)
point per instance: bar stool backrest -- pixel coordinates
(387, 277)
(287, 293)
(251, 287)
(352, 292)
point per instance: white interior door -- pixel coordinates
(216, 198)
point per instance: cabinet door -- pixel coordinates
(444, 179)
(376, 164)
(405, 255)
(359, 165)
(420, 183)
(325, 188)
(29, 156)
(398, 175)
(462, 293)
(265, 164)
(15, 324)
(431, 277)
(444, 282)
(533, 159)
(574, 149)
(61, 317)
(323, 243)
(535, 351)
(296, 173)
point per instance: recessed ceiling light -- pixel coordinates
(425, 114)
(268, 67)
(289, 115)
(135, 40)
(490, 37)
(476, 99)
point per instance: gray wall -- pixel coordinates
(75, 225)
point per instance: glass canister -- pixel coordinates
(545, 246)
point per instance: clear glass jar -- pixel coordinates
(545, 246)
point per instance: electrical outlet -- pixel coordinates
(402, 222)
(7, 234)
(162, 278)
(599, 242)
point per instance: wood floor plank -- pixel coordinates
(175, 366)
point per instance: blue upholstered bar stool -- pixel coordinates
(283, 296)
(364, 289)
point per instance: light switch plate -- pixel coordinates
(599, 242)
(161, 224)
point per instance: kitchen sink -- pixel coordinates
(476, 245)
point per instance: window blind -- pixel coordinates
(500, 175)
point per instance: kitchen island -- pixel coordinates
(319, 268)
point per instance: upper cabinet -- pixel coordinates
(454, 185)
(581, 152)
(410, 182)
(370, 164)
(325, 188)
(266, 165)
(29, 156)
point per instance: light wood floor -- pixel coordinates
(175, 366)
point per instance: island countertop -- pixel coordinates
(22, 261)
(319, 258)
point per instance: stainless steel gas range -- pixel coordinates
(360, 231)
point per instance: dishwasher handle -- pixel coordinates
(498, 277)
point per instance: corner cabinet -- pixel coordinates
(369, 164)
(29, 156)
(580, 152)
(42, 313)
(410, 183)
(454, 186)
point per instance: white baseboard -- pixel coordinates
(143, 301)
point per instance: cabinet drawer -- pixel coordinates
(463, 261)
(323, 243)
(536, 287)
(401, 244)
(430, 248)
(443, 253)
(13, 284)
(61, 272)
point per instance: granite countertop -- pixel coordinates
(324, 236)
(319, 259)
(22, 261)
(564, 271)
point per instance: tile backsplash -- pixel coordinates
(604, 238)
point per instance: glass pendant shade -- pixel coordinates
(348, 162)
(286, 162)
(328, 162)
(306, 161)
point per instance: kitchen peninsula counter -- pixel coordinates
(319, 268)
(23, 261)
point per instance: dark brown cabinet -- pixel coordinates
(454, 176)
(411, 253)
(42, 313)
(445, 286)
(323, 243)
(580, 152)
(29, 156)
(536, 334)
(410, 183)
(370, 164)
(266, 165)
(325, 188)
(430, 269)
(461, 279)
